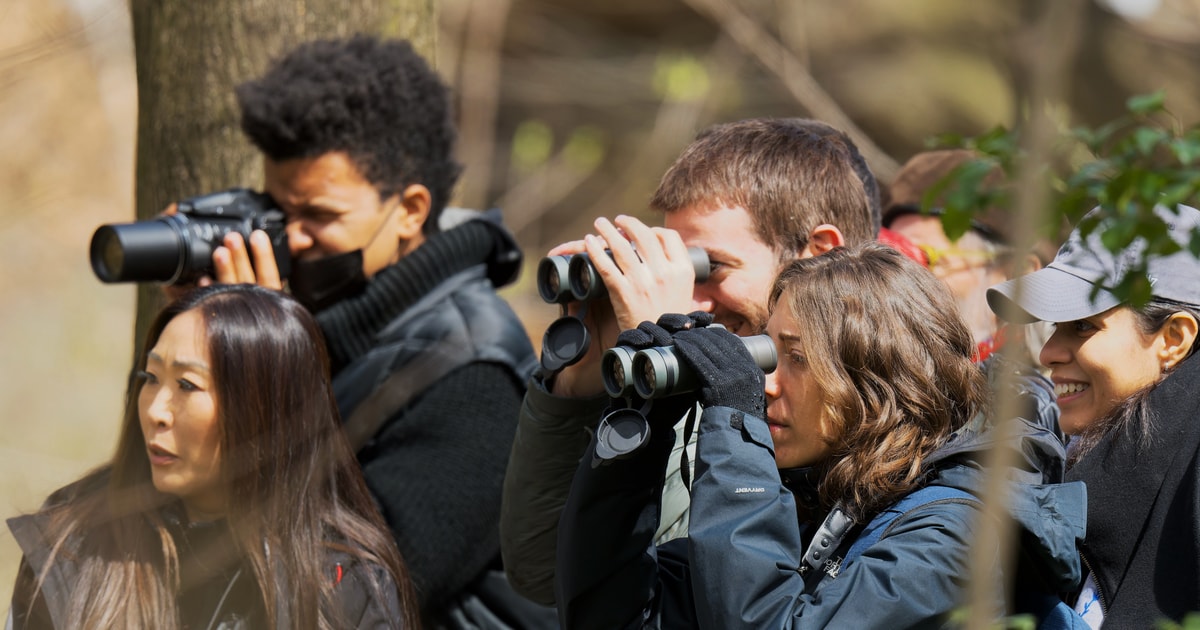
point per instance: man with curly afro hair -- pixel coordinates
(429, 363)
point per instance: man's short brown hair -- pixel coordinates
(790, 174)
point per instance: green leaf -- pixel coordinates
(1186, 149)
(998, 141)
(1147, 139)
(1146, 103)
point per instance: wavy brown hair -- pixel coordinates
(295, 489)
(888, 349)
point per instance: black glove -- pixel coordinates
(648, 335)
(727, 374)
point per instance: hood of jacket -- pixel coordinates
(1050, 514)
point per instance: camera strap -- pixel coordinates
(690, 419)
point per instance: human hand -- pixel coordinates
(582, 379)
(641, 285)
(727, 374)
(649, 273)
(232, 262)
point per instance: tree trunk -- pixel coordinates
(189, 57)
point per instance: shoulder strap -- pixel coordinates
(912, 501)
(397, 390)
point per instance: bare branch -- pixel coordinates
(794, 75)
(480, 87)
(1055, 41)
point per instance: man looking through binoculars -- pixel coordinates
(753, 195)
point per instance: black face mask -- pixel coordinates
(321, 283)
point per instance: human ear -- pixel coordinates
(1178, 335)
(414, 203)
(823, 238)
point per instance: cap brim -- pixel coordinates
(1049, 295)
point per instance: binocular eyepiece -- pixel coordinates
(568, 277)
(658, 373)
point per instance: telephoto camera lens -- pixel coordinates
(178, 248)
(145, 251)
(658, 373)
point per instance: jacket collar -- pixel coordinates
(1120, 472)
(351, 325)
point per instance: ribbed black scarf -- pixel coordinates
(350, 326)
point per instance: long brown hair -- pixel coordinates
(295, 490)
(893, 358)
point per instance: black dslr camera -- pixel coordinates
(178, 248)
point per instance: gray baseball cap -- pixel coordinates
(1063, 291)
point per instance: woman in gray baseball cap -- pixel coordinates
(1130, 399)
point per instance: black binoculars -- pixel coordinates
(658, 373)
(569, 277)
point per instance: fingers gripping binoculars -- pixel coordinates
(569, 277)
(658, 373)
(654, 372)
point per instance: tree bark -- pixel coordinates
(189, 57)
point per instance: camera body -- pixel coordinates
(178, 248)
(569, 277)
(658, 373)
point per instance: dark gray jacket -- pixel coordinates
(739, 568)
(228, 598)
(552, 434)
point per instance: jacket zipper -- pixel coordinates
(1096, 581)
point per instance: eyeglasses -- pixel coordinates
(951, 259)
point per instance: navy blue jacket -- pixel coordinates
(739, 568)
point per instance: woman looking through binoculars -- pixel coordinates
(841, 490)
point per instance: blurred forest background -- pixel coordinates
(568, 109)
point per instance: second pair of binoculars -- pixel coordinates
(569, 277)
(657, 372)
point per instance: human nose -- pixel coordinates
(701, 299)
(298, 237)
(1055, 351)
(158, 410)
(771, 387)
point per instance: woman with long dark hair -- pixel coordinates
(840, 491)
(1129, 389)
(233, 499)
